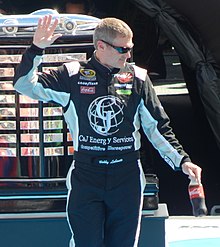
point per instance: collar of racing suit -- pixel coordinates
(102, 69)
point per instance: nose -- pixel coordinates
(128, 54)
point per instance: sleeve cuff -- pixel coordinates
(37, 50)
(184, 159)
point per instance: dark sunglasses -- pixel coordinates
(119, 49)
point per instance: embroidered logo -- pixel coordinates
(106, 114)
(87, 74)
(87, 90)
(124, 77)
(123, 91)
(124, 83)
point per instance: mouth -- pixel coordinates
(123, 60)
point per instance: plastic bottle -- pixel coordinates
(197, 198)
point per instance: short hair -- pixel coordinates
(109, 28)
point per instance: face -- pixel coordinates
(110, 56)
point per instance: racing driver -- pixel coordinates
(105, 100)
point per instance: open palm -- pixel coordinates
(44, 35)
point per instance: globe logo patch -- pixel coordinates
(105, 114)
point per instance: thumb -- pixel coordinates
(55, 37)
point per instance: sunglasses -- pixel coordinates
(119, 49)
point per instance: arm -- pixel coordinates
(51, 86)
(153, 104)
(162, 124)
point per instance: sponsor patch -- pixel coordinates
(124, 77)
(87, 74)
(88, 83)
(87, 90)
(123, 91)
(123, 86)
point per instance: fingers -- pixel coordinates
(196, 170)
(47, 21)
(193, 171)
(44, 35)
(47, 25)
(195, 175)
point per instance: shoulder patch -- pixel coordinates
(72, 67)
(140, 72)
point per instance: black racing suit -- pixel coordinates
(104, 110)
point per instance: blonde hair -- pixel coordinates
(110, 28)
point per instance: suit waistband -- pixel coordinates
(106, 160)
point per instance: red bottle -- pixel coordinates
(197, 198)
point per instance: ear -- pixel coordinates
(100, 45)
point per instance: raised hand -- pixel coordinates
(44, 35)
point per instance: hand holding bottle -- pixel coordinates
(197, 198)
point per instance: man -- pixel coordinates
(104, 100)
